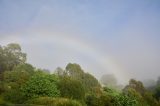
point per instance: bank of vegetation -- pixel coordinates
(21, 84)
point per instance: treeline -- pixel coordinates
(21, 83)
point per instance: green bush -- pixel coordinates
(14, 96)
(41, 84)
(117, 98)
(49, 101)
(71, 88)
(2, 102)
(92, 100)
(102, 100)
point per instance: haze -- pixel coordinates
(120, 37)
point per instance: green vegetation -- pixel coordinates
(41, 84)
(54, 101)
(21, 83)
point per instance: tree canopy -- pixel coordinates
(10, 56)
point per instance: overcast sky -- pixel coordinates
(120, 37)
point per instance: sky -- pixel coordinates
(120, 37)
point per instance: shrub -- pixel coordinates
(92, 100)
(49, 101)
(41, 84)
(71, 88)
(14, 96)
(2, 102)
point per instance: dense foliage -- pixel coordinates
(21, 83)
(41, 84)
(54, 101)
(71, 88)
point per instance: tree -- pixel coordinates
(2, 59)
(157, 92)
(14, 96)
(136, 90)
(136, 85)
(92, 100)
(71, 88)
(109, 80)
(13, 80)
(148, 97)
(41, 84)
(124, 100)
(89, 82)
(74, 70)
(18, 76)
(60, 72)
(25, 67)
(10, 56)
(116, 98)
(157, 89)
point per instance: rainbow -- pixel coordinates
(78, 44)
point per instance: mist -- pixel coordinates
(105, 37)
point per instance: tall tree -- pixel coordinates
(71, 88)
(157, 92)
(136, 85)
(10, 56)
(89, 82)
(109, 80)
(74, 70)
(60, 72)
